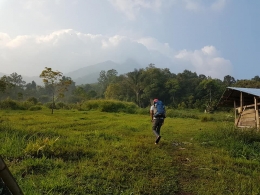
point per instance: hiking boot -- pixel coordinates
(158, 139)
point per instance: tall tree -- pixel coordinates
(53, 80)
(229, 80)
(256, 78)
(134, 80)
(16, 80)
(154, 84)
(247, 83)
(3, 84)
(15, 84)
(105, 78)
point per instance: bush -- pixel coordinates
(61, 105)
(110, 106)
(34, 108)
(33, 100)
(25, 105)
(44, 98)
(9, 104)
(50, 105)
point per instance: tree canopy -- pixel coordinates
(183, 90)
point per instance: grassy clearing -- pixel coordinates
(80, 152)
(93, 152)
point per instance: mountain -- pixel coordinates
(2, 74)
(36, 79)
(27, 79)
(90, 74)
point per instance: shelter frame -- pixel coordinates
(246, 105)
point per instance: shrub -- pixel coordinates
(110, 106)
(50, 105)
(61, 105)
(34, 108)
(25, 105)
(44, 98)
(90, 105)
(33, 100)
(9, 104)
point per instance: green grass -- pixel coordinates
(94, 152)
(74, 152)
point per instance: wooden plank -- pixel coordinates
(248, 115)
(247, 119)
(247, 123)
(249, 111)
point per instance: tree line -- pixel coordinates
(182, 90)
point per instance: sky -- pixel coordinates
(211, 37)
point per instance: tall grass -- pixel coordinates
(85, 152)
(94, 151)
(113, 106)
(240, 143)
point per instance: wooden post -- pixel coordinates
(241, 109)
(235, 112)
(241, 100)
(256, 112)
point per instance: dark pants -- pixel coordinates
(157, 123)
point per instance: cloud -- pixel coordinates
(153, 44)
(219, 4)
(205, 61)
(192, 5)
(131, 8)
(68, 50)
(65, 50)
(198, 5)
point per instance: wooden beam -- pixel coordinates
(256, 113)
(249, 106)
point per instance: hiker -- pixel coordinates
(157, 113)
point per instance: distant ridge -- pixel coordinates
(90, 74)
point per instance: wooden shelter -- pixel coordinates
(246, 105)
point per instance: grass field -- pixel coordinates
(93, 152)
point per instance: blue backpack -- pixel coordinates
(159, 109)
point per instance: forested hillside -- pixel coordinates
(181, 90)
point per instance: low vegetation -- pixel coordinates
(93, 149)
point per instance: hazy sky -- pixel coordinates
(211, 37)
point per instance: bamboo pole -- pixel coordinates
(8, 179)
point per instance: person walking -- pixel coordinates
(157, 113)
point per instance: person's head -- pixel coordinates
(155, 100)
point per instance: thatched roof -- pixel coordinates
(232, 94)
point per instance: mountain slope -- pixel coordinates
(90, 74)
